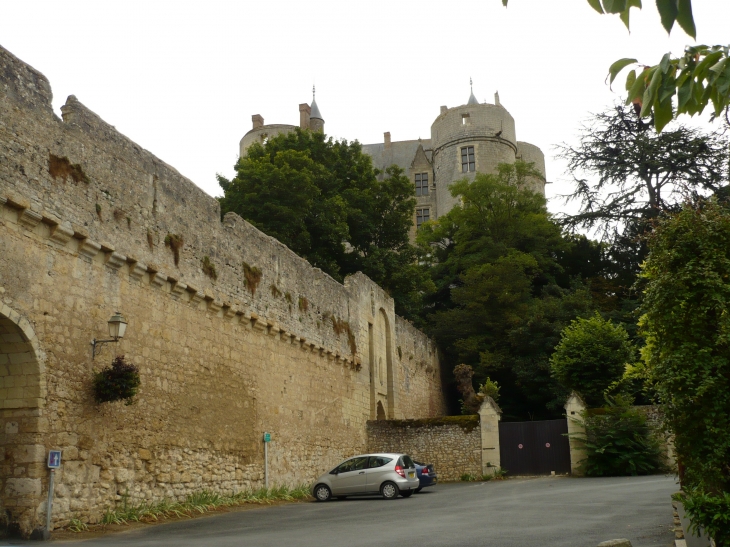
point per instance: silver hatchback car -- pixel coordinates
(368, 474)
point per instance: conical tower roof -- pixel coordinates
(315, 109)
(472, 98)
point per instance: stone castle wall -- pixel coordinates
(223, 357)
(453, 444)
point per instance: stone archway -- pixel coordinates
(381, 411)
(22, 424)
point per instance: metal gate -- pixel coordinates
(534, 448)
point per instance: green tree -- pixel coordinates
(497, 305)
(322, 199)
(687, 328)
(639, 173)
(592, 355)
(626, 176)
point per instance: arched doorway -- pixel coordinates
(381, 367)
(22, 395)
(381, 411)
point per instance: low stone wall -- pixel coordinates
(452, 443)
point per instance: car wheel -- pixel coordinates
(322, 492)
(341, 497)
(389, 491)
(419, 489)
(407, 493)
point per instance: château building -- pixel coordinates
(465, 140)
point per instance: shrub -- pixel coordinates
(710, 512)
(175, 242)
(251, 277)
(686, 325)
(592, 354)
(618, 441)
(118, 382)
(209, 268)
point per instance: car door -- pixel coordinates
(375, 473)
(350, 477)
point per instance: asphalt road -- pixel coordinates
(547, 511)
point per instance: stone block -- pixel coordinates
(22, 488)
(615, 543)
(29, 453)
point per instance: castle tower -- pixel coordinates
(316, 122)
(475, 138)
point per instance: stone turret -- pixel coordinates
(316, 121)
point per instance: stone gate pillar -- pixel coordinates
(573, 408)
(489, 416)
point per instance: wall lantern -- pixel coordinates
(117, 327)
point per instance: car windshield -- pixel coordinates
(407, 461)
(353, 464)
(379, 461)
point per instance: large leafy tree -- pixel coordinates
(687, 329)
(626, 173)
(627, 176)
(498, 306)
(323, 199)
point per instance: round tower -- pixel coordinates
(316, 122)
(469, 139)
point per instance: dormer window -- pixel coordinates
(467, 159)
(421, 184)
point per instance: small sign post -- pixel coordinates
(54, 462)
(267, 440)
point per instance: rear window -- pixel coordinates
(379, 461)
(407, 461)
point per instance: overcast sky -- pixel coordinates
(183, 78)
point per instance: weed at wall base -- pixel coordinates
(195, 503)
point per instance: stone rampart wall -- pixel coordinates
(266, 343)
(453, 443)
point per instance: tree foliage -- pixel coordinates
(639, 173)
(699, 77)
(592, 355)
(498, 306)
(322, 198)
(118, 382)
(626, 176)
(687, 327)
(618, 441)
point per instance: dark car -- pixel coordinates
(426, 475)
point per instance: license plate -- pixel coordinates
(411, 475)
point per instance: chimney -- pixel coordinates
(258, 121)
(305, 111)
(443, 109)
(386, 137)
(496, 98)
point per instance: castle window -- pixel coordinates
(467, 159)
(465, 119)
(422, 215)
(421, 184)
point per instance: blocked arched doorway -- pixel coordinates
(22, 398)
(381, 368)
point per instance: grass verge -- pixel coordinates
(196, 503)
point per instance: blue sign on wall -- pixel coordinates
(54, 459)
